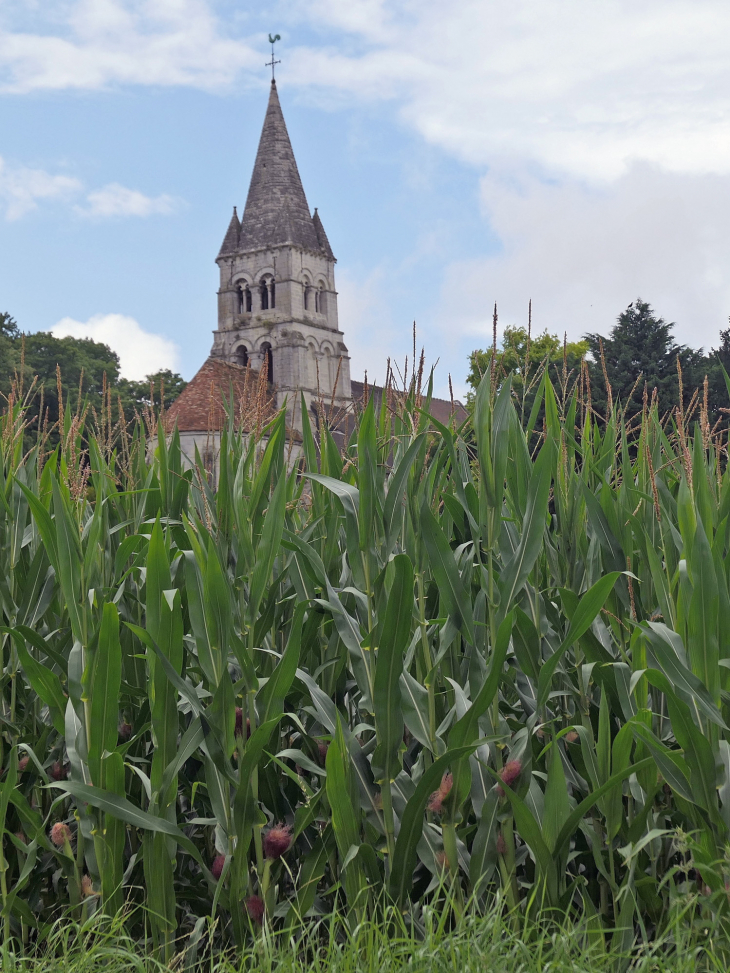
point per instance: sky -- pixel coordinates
(575, 153)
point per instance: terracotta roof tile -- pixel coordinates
(200, 407)
(440, 408)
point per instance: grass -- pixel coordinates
(479, 943)
(439, 666)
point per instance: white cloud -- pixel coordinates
(582, 254)
(94, 43)
(604, 128)
(116, 200)
(140, 352)
(575, 87)
(367, 318)
(21, 187)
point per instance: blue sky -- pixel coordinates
(575, 154)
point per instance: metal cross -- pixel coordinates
(272, 62)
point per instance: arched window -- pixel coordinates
(268, 362)
(242, 355)
(322, 302)
(264, 296)
(306, 289)
(273, 293)
(244, 297)
(316, 301)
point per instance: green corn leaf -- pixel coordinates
(580, 811)
(268, 548)
(69, 560)
(454, 596)
(668, 652)
(271, 696)
(404, 858)
(367, 450)
(105, 683)
(518, 567)
(218, 609)
(393, 642)
(414, 704)
(557, 808)
(588, 608)
(45, 682)
(393, 507)
(704, 615)
(124, 810)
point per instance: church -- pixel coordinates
(278, 338)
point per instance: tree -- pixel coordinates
(523, 357)
(162, 387)
(640, 350)
(81, 369)
(8, 325)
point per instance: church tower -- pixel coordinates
(277, 303)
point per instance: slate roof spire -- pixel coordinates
(276, 211)
(230, 240)
(321, 235)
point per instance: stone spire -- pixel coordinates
(230, 240)
(276, 210)
(321, 235)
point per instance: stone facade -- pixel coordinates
(277, 302)
(278, 328)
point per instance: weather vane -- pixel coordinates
(272, 62)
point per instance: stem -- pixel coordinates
(427, 660)
(388, 820)
(448, 832)
(513, 891)
(370, 664)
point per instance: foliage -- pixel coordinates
(439, 668)
(8, 325)
(638, 356)
(84, 372)
(388, 944)
(520, 349)
(640, 350)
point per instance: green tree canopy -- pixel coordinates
(523, 356)
(640, 349)
(79, 368)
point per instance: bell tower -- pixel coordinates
(277, 303)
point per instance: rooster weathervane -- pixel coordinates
(270, 64)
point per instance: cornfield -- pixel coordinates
(458, 666)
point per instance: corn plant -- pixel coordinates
(478, 665)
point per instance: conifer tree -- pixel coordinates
(640, 349)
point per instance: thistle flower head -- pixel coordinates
(437, 799)
(23, 763)
(509, 774)
(277, 841)
(571, 736)
(254, 906)
(58, 771)
(501, 844)
(60, 834)
(217, 867)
